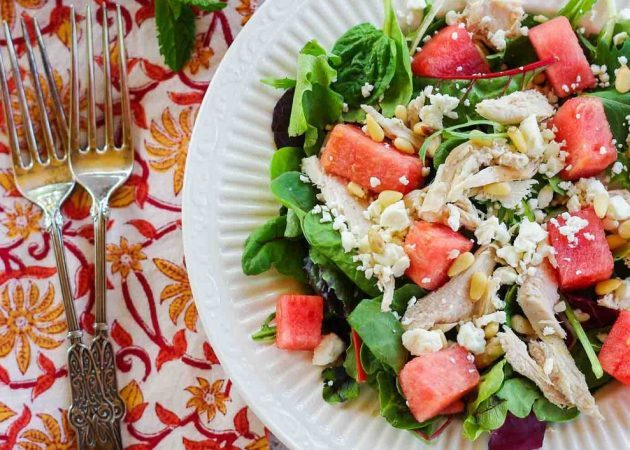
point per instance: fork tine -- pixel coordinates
(91, 119)
(14, 142)
(109, 114)
(60, 115)
(124, 88)
(73, 125)
(26, 117)
(41, 103)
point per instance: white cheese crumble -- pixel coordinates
(617, 168)
(395, 217)
(491, 229)
(419, 341)
(404, 180)
(498, 317)
(366, 90)
(441, 106)
(571, 227)
(471, 338)
(329, 349)
(548, 331)
(375, 182)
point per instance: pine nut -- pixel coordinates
(461, 263)
(521, 325)
(624, 229)
(387, 198)
(600, 203)
(608, 286)
(356, 190)
(615, 241)
(622, 82)
(492, 352)
(499, 189)
(401, 113)
(610, 224)
(377, 244)
(375, 131)
(478, 285)
(517, 138)
(581, 316)
(491, 330)
(404, 146)
(422, 129)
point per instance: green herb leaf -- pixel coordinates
(445, 149)
(279, 83)
(286, 159)
(293, 193)
(205, 5)
(548, 412)
(511, 305)
(267, 333)
(617, 107)
(338, 385)
(596, 367)
(176, 32)
(492, 414)
(520, 395)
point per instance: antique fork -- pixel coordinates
(46, 180)
(101, 171)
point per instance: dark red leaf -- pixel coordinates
(241, 423)
(120, 335)
(166, 416)
(139, 116)
(83, 280)
(155, 72)
(208, 352)
(144, 227)
(46, 364)
(201, 445)
(136, 413)
(4, 375)
(42, 384)
(16, 427)
(186, 98)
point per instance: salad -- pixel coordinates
(455, 200)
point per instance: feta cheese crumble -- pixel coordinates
(329, 349)
(419, 341)
(471, 338)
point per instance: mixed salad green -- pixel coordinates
(505, 235)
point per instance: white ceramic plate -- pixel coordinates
(227, 196)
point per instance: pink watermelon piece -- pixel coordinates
(587, 259)
(615, 353)
(375, 166)
(434, 381)
(581, 122)
(454, 408)
(556, 39)
(451, 52)
(428, 246)
(299, 322)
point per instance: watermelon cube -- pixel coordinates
(454, 408)
(556, 39)
(581, 123)
(428, 246)
(449, 53)
(615, 353)
(581, 250)
(299, 321)
(434, 381)
(378, 167)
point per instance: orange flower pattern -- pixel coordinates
(23, 220)
(125, 257)
(200, 57)
(246, 9)
(55, 437)
(207, 398)
(26, 320)
(179, 293)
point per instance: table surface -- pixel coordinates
(176, 393)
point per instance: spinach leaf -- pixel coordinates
(445, 149)
(338, 385)
(286, 159)
(371, 365)
(267, 247)
(350, 363)
(315, 104)
(366, 57)
(617, 107)
(279, 83)
(621, 180)
(381, 332)
(519, 52)
(267, 333)
(293, 193)
(403, 295)
(401, 86)
(520, 395)
(293, 228)
(327, 241)
(491, 414)
(548, 412)
(574, 10)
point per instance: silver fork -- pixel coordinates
(45, 179)
(101, 171)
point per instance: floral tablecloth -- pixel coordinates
(176, 393)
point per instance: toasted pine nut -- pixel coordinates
(610, 224)
(624, 229)
(377, 244)
(622, 82)
(375, 131)
(478, 285)
(600, 203)
(356, 190)
(500, 189)
(491, 330)
(422, 129)
(517, 138)
(615, 241)
(404, 146)
(608, 286)
(521, 325)
(401, 112)
(581, 316)
(387, 198)
(461, 263)
(492, 352)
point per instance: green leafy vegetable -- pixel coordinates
(403, 295)
(548, 412)
(350, 363)
(574, 10)
(286, 159)
(596, 367)
(293, 228)
(491, 414)
(381, 332)
(205, 5)
(279, 83)
(583, 362)
(621, 180)
(338, 385)
(554, 182)
(520, 395)
(176, 32)
(445, 149)
(511, 305)
(267, 332)
(617, 107)
(489, 385)
(325, 277)
(452, 132)
(315, 104)
(293, 193)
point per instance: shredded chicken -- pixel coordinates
(394, 128)
(495, 20)
(335, 193)
(451, 302)
(518, 357)
(537, 296)
(512, 109)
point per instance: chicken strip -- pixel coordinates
(512, 109)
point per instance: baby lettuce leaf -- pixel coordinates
(381, 332)
(617, 107)
(338, 385)
(445, 149)
(548, 412)
(490, 383)
(402, 295)
(286, 159)
(267, 247)
(520, 395)
(491, 413)
(327, 241)
(293, 193)
(315, 104)
(279, 83)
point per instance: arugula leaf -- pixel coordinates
(548, 412)
(279, 83)
(381, 332)
(574, 10)
(554, 182)
(338, 386)
(617, 107)
(286, 159)
(520, 395)
(267, 247)
(293, 193)
(267, 333)
(315, 104)
(176, 32)
(490, 383)
(596, 367)
(205, 5)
